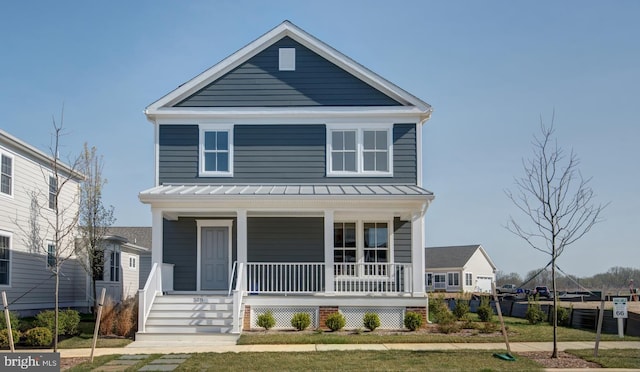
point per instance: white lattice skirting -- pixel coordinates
(283, 315)
(390, 317)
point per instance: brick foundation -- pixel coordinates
(324, 312)
(246, 320)
(422, 311)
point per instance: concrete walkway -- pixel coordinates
(195, 347)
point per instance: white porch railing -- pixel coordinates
(238, 293)
(373, 278)
(304, 278)
(151, 289)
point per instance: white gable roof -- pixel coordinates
(287, 28)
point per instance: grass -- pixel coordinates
(102, 360)
(85, 339)
(357, 360)
(611, 358)
(519, 330)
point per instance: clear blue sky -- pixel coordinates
(490, 69)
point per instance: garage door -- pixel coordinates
(483, 284)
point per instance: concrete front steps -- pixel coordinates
(188, 318)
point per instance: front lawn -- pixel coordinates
(611, 358)
(519, 330)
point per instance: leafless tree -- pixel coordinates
(557, 204)
(60, 213)
(95, 218)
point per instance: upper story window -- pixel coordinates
(6, 175)
(53, 192)
(359, 151)
(114, 266)
(216, 151)
(132, 263)
(5, 258)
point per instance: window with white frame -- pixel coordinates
(439, 281)
(361, 248)
(359, 151)
(429, 279)
(216, 150)
(5, 258)
(468, 279)
(453, 279)
(53, 192)
(6, 174)
(132, 262)
(51, 255)
(114, 263)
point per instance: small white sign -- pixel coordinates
(619, 307)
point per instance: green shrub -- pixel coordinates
(534, 313)
(563, 316)
(437, 307)
(301, 321)
(38, 336)
(485, 312)
(266, 320)
(461, 309)
(13, 318)
(447, 323)
(4, 337)
(68, 322)
(412, 320)
(489, 327)
(371, 321)
(335, 322)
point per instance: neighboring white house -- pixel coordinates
(27, 184)
(465, 268)
(127, 262)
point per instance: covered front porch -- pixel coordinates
(286, 245)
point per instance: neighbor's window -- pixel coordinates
(358, 151)
(51, 255)
(132, 262)
(453, 279)
(6, 175)
(5, 258)
(216, 151)
(53, 191)
(114, 262)
(429, 279)
(468, 279)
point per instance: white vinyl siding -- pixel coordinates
(359, 151)
(216, 151)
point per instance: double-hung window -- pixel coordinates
(453, 279)
(51, 255)
(468, 279)
(361, 248)
(53, 192)
(6, 174)
(132, 263)
(359, 151)
(216, 150)
(114, 262)
(5, 258)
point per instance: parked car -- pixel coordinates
(542, 291)
(507, 289)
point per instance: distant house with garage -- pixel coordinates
(466, 268)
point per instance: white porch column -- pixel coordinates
(328, 252)
(241, 239)
(417, 254)
(156, 236)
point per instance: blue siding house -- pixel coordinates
(288, 179)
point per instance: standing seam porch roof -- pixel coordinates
(285, 190)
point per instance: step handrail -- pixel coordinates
(147, 295)
(238, 293)
(231, 277)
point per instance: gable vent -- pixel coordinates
(287, 59)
